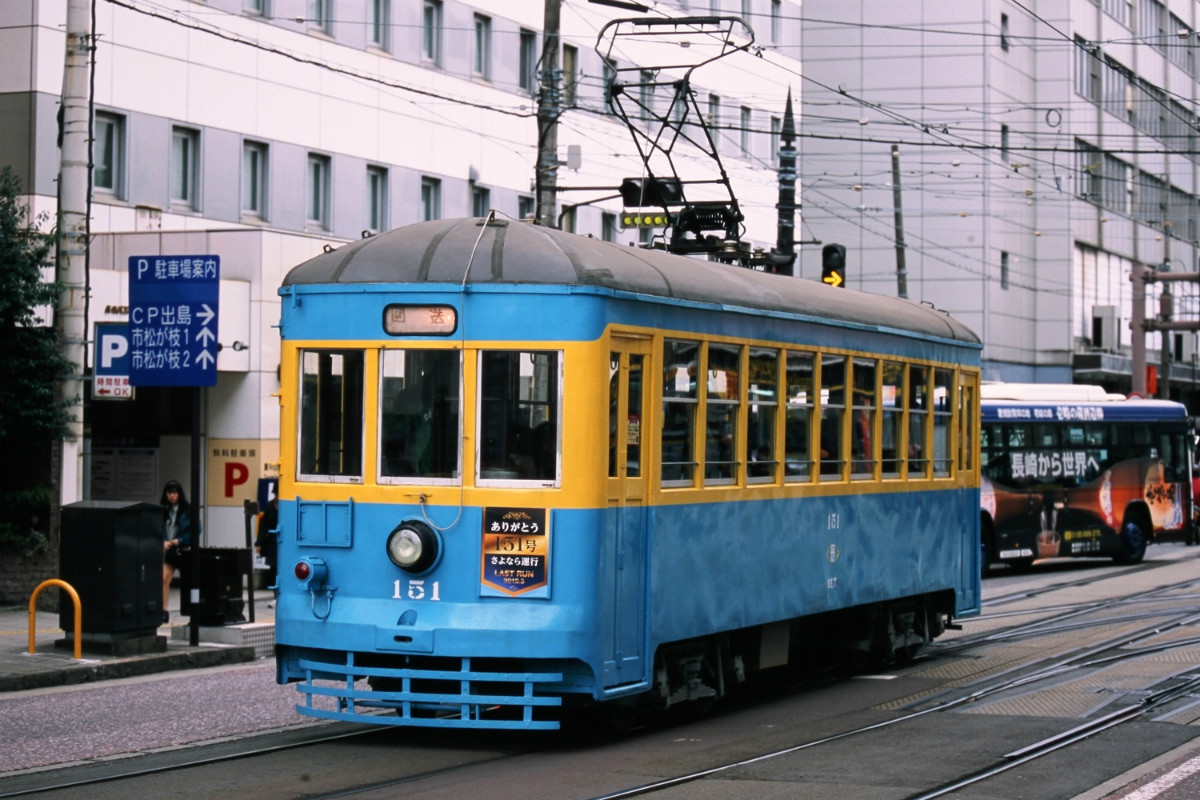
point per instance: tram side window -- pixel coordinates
(798, 429)
(518, 414)
(680, 399)
(721, 450)
(833, 410)
(419, 414)
(862, 421)
(968, 421)
(918, 421)
(892, 415)
(943, 381)
(761, 416)
(331, 413)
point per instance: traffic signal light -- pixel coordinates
(646, 219)
(643, 193)
(833, 264)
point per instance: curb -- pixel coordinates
(71, 675)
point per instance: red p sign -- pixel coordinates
(236, 474)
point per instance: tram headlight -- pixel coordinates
(413, 546)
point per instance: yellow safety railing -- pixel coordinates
(78, 614)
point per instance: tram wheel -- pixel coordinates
(1133, 543)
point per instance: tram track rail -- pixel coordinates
(1088, 580)
(1153, 702)
(1092, 656)
(55, 779)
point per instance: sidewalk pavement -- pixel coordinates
(53, 661)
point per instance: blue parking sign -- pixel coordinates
(110, 364)
(173, 311)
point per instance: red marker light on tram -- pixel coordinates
(311, 572)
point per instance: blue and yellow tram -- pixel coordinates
(525, 469)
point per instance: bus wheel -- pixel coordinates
(1132, 544)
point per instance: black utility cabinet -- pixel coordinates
(112, 555)
(219, 583)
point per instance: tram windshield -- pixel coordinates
(419, 414)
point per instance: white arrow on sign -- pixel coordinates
(205, 334)
(204, 357)
(206, 315)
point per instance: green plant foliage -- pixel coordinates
(32, 416)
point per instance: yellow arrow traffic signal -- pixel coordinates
(833, 264)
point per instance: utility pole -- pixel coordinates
(74, 178)
(1166, 310)
(1137, 324)
(549, 99)
(785, 232)
(1140, 325)
(901, 262)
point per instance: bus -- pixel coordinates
(1073, 471)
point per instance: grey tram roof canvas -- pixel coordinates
(511, 252)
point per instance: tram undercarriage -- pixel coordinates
(862, 639)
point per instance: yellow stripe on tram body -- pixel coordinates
(584, 445)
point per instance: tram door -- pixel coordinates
(967, 464)
(626, 534)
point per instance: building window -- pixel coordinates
(254, 179)
(526, 208)
(319, 15)
(1004, 263)
(776, 141)
(1004, 144)
(108, 153)
(570, 70)
(377, 196)
(317, 214)
(481, 201)
(1088, 169)
(527, 73)
(431, 199)
(776, 21)
(744, 132)
(1087, 70)
(482, 66)
(714, 119)
(608, 227)
(567, 220)
(185, 161)
(646, 95)
(257, 7)
(431, 41)
(379, 13)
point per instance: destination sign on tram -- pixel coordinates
(173, 307)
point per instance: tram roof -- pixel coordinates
(510, 252)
